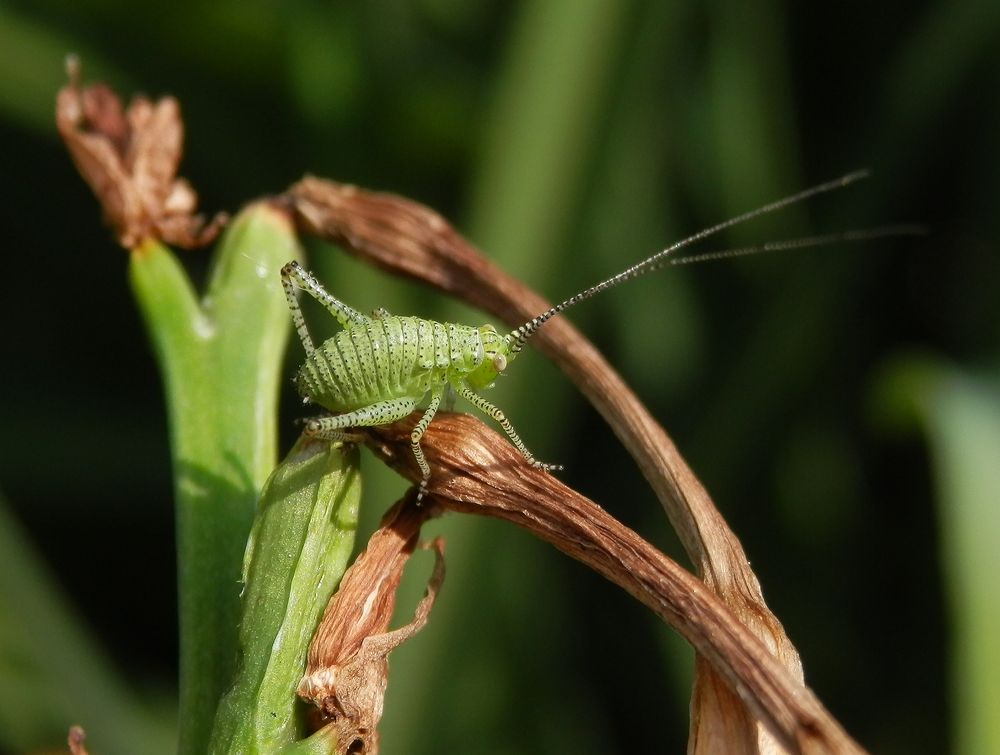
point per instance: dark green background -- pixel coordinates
(567, 138)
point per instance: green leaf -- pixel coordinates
(297, 552)
(53, 674)
(221, 361)
(961, 414)
(963, 421)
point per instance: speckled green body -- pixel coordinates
(388, 357)
(379, 367)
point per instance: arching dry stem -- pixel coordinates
(478, 472)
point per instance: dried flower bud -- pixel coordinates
(129, 159)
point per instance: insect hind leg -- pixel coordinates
(294, 276)
(293, 306)
(497, 414)
(379, 413)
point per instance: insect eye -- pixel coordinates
(499, 362)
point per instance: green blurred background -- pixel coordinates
(842, 405)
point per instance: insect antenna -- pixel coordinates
(518, 337)
(806, 242)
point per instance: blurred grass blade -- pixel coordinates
(31, 53)
(298, 550)
(961, 414)
(221, 361)
(963, 422)
(52, 674)
(545, 125)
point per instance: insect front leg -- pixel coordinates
(485, 406)
(292, 277)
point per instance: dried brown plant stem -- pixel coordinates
(478, 472)
(408, 239)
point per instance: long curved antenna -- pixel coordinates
(864, 234)
(518, 337)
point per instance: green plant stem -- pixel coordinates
(221, 360)
(298, 550)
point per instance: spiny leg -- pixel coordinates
(418, 432)
(382, 413)
(293, 306)
(485, 406)
(293, 275)
(379, 413)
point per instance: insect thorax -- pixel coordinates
(393, 357)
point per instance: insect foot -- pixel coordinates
(547, 467)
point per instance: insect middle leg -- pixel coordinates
(382, 413)
(292, 276)
(418, 432)
(497, 414)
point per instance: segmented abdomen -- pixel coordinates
(382, 358)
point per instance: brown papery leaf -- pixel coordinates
(129, 158)
(409, 239)
(477, 471)
(347, 669)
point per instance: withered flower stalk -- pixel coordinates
(478, 472)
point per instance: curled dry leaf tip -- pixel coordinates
(347, 667)
(129, 158)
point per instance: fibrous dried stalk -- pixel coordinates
(477, 471)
